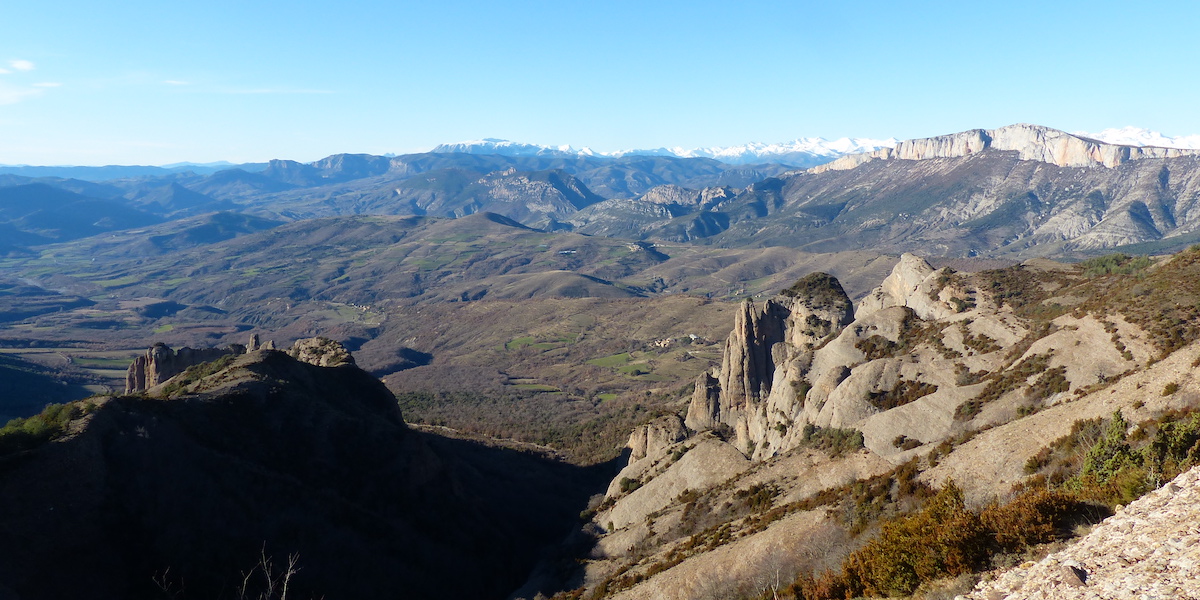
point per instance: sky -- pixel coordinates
(134, 82)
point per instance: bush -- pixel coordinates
(1034, 517)
(906, 391)
(1117, 263)
(836, 442)
(943, 539)
(628, 485)
(25, 434)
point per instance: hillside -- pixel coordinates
(1016, 191)
(479, 305)
(1001, 399)
(269, 462)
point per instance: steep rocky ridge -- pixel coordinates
(1022, 190)
(936, 376)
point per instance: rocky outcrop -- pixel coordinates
(704, 412)
(767, 346)
(1031, 142)
(195, 492)
(746, 367)
(912, 283)
(321, 351)
(161, 363)
(653, 438)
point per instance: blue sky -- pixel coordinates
(161, 82)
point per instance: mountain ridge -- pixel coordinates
(802, 152)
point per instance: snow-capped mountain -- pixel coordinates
(1136, 136)
(805, 152)
(507, 148)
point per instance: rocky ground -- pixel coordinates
(1149, 550)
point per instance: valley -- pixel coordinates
(657, 377)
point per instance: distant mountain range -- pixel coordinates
(805, 152)
(1016, 191)
(801, 153)
(109, 172)
(1136, 136)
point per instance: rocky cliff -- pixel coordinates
(161, 363)
(826, 413)
(768, 349)
(1030, 142)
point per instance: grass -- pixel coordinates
(118, 282)
(611, 361)
(164, 328)
(535, 387)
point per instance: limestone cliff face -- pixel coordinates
(704, 412)
(746, 367)
(653, 438)
(1031, 142)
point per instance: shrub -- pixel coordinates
(1034, 517)
(1117, 263)
(832, 440)
(25, 434)
(906, 391)
(943, 539)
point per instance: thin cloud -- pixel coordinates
(275, 91)
(21, 65)
(47, 84)
(13, 95)
(176, 82)
(4, 71)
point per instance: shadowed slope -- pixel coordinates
(268, 454)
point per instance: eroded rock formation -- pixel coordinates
(769, 348)
(161, 363)
(321, 351)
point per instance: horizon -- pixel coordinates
(248, 84)
(1112, 135)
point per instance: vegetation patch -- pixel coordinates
(611, 361)
(905, 391)
(837, 442)
(194, 374)
(1107, 461)
(25, 434)
(1113, 264)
